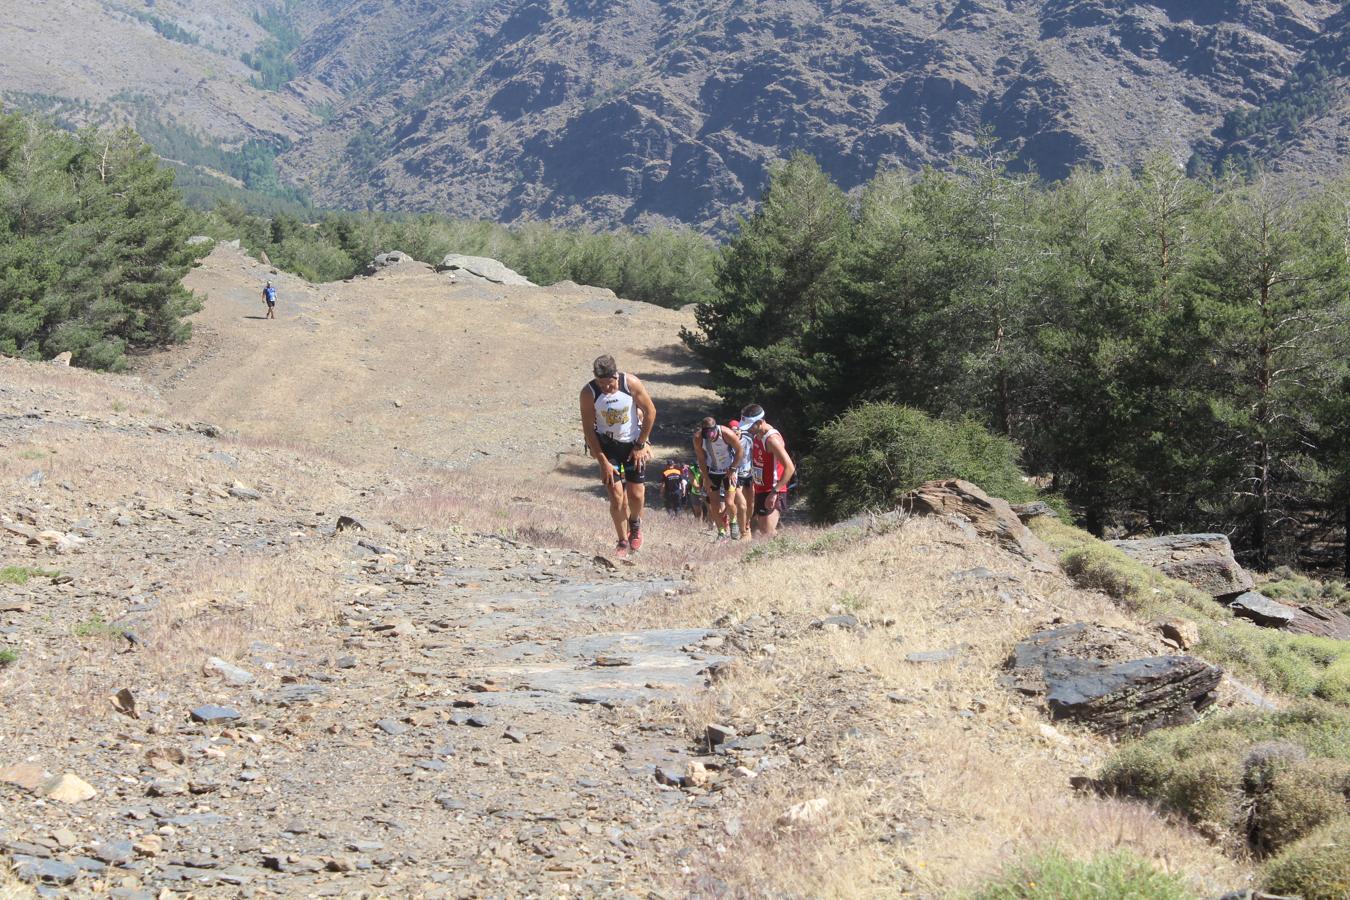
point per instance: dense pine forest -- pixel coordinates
(1169, 352)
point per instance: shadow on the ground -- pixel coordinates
(259, 318)
(687, 375)
(676, 420)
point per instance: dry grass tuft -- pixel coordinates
(935, 794)
(558, 513)
(11, 888)
(222, 606)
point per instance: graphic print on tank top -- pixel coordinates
(616, 415)
(719, 453)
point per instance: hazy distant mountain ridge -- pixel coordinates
(613, 111)
(625, 110)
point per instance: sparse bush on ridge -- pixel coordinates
(1316, 867)
(1298, 665)
(667, 266)
(1109, 876)
(1293, 587)
(20, 575)
(1214, 771)
(874, 453)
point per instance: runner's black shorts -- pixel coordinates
(620, 454)
(721, 481)
(770, 502)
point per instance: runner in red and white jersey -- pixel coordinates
(773, 470)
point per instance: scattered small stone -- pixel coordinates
(391, 727)
(365, 846)
(67, 788)
(298, 694)
(897, 697)
(114, 853)
(210, 714)
(838, 623)
(345, 522)
(719, 734)
(479, 720)
(242, 492)
(669, 775)
(758, 741)
(148, 845)
(1182, 633)
(50, 871)
(232, 674)
(345, 662)
(511, 734)
(613, 661)
(804, 813)
(65, 837)
(26, 775)
(934, 656)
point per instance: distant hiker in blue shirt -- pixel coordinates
(270, 298)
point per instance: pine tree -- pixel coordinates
(775, 285)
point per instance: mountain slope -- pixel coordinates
(631, 111)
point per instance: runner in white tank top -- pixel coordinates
(718, 450)
(617, 415)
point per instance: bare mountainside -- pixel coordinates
(177, 62)
(632, 111)
(618, 111)
(408, 366)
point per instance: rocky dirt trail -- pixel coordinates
(258, 701)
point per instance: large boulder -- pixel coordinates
(1317, 620)
(386, 260)
(481, 268)
(991, 517)
(1111, 681)
(1202, 560)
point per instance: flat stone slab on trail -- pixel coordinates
(656, 666)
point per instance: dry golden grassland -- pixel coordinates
(563, 512)
(920, 794)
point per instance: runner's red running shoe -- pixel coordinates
(635, 539)
(621, 548)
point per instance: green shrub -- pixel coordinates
(874, 453)
(1295, 664)
(1295, 587)
(96, 627)
(1297, 798)
(1264, 777)
(1317, 867)
(1110, 876)
(22, 574)
(8, 657)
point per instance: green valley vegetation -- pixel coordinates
(1170, 351)
(271, 59)
(93, 245)
(671, 267)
